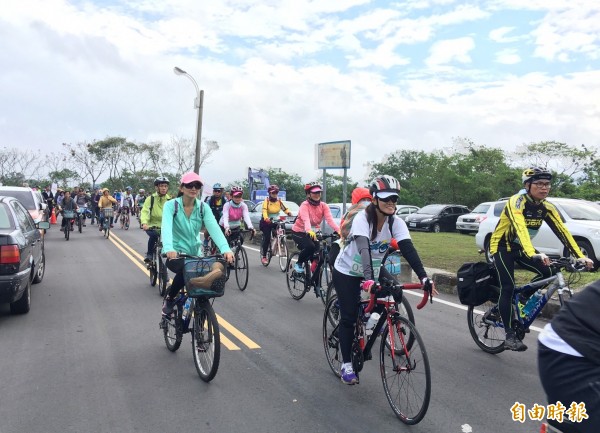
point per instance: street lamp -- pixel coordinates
(199, 104)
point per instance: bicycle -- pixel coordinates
(107, 213)
(124, 219)
(486, 326)
(69, 215)
(240, 265)
(193, 306)
(404, 364)
(138, 215)
(299, 284)
(157, 268)
(278, 245)
(81, 214)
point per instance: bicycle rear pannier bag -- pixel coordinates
(476, 284)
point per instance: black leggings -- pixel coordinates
(504, 262)
(348, 292)
(266, 229)
(307, 246)
(568, 379)
(177, 284)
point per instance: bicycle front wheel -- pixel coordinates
(67, 230)
(79, 224)
(324, 282)
(162, 277)
(173, 329)
(282, 253)
(152, 272)
(294, 280)
(127, 222)
(206, 340)
(406, 377)
(405, 310)
(485, 328)
(241, 268)
(331, 340)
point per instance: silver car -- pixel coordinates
(469, 223)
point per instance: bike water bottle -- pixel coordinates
(373, 319)
(532, 303)
(186, 308)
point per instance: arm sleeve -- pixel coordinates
(412, 257)
(329, 218)
(226, 215)
(514, 212)
(362, 245)
(166, 231)
(214, 230)
(265, 214)
(246, 216)
(305, 217)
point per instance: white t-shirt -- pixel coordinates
(348, 261)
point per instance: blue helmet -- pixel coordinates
(217, 186)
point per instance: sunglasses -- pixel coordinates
(392, 198)
(193, 185)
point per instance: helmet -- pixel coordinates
(142, 190)
(129, 188)
(273, 188)
(236, 190)
(384, 183)
(535, 173)
(316, 186)
(160, 179)
(217, 186)
(360, 194)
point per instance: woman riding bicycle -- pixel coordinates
(270, 209)
(510, 243)
(234, 211)
(310, 216)
(181, 232)
(358, 264)
(105, 201)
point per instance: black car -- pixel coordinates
(22, 259)
(436, 217)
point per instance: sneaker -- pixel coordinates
(167, 308)
(84, 225)
(299, 268)
(112, 226)
(263, 260)
(62, 229)
(100, 228)
(148, 258)
(513, 343)
(348, 376)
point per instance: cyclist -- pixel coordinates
(95, 209)
(234, 211)
(510, 243)
(105, 201)
(139, 200)
(70, 205)
(126, 203)
(270, 209)
(82, 200)
(49, 199)
(152, 211)
(216, 203)
(569, 356)
(358, 264)
(181, 231)
(310, 216)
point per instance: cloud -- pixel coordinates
(508, 57)
(450, 50)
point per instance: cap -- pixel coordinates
(386, 194)
(191, 177)
(316, 189)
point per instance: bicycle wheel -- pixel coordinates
(331, 341)
(79, 224)
(127, 222)
(406, 377)
(271, 251)
(324, 282)
(295, 281)
(282, 253)
(173, 329)
(67, 230)
(487, 333)
(241, 268)
(153, 272)
(206, 340)
(162, 277)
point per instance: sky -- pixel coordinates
(280, 76)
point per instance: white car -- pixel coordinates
(469, 223)
(581, 217)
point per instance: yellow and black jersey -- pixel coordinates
(520, 221)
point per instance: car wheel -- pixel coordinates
(587, 250)
(486, 250)
(39, 275)
(23, 305)
(436, 228)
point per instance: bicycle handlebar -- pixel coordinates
(568, 263)
(391, 287)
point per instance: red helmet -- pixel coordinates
(360, 194)
(273, 188)
(236, 190)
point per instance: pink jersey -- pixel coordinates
(310, 217)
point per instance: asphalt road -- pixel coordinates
(90, 357)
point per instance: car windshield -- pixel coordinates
(482, 208)
(432, 209)
(4, 218)
(291, 206)
(581, 211)
(25, 197)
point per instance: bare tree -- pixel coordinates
(89, 163)
(180, 153)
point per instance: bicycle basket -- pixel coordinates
(108, 212)
(68, 214)
(204, 277)
(392, 263)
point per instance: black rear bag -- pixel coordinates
(476, 284)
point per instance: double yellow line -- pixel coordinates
(138, 260)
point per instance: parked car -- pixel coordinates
(337, 213)
(22, 258)
(404, 210)
(436, 217)
(581, 217)
(256, 214)
(32, 200)
(469, 223)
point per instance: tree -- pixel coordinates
(291, 183)
(90, 163)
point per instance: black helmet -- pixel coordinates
(535, 173)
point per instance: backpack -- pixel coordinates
(476, 284)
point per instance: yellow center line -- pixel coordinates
(248, 342)
(228, 343)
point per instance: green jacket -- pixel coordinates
(154, 220)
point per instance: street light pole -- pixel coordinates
(199, 105)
